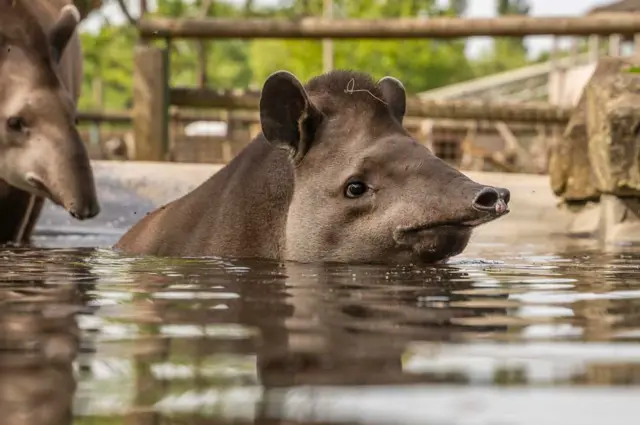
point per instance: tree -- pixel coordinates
(108, 57)
(513, 7)
(419, 64)
(507, 52)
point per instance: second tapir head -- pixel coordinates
(41, 151)
(364, 189)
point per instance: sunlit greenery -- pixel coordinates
(420, 64)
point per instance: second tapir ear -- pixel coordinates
(62, 30)
(394, 95)
(287, 116)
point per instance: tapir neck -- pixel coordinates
(240, 211)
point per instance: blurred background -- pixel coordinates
(536, 70)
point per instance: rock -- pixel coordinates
(613, 126)
(569, 167)
(598, 152)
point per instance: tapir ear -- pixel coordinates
(287, 116)
(394, 95)
(62, 30)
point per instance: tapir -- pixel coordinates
(333, 177)
(41, 153)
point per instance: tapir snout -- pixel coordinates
(62, 173)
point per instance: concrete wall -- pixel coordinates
(128, 190)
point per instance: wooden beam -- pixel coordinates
(115, 117)
(454, 109)
(400, 28)
(253, 117)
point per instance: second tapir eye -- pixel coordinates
(355, 189)
(15, 123)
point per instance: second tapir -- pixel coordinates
(41, 152)
(333, 176)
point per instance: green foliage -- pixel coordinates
(419, 64)
(507, 52)
(108, 57)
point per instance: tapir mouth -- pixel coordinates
(79, 213)
(462, 224)
(43, 189)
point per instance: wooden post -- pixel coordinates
(594, 47)
(557, 75)
(95, 135)
(202, 49)
(615, 42)
(574, 52)
(327, 43)
(150, 103)
(426, 130)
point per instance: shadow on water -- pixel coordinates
(108, 339)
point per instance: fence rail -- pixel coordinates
(247, 116)
(400, 28)
(126, 117)
(416, 107)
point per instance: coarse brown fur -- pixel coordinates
(292, 194)
(31, 38)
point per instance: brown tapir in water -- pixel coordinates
(41, 152)
(333, 176)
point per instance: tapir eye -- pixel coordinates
(355, 189)
(15, 123)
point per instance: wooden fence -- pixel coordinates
(400, 28)
(466, 143)
(153, 96)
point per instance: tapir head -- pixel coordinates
(364, 189)
(41, 151)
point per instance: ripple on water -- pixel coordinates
(234, 340)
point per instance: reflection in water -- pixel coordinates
(40, 293)
(110, 339)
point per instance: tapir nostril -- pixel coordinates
(487, 199)
(505, 195)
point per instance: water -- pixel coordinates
(504, 334)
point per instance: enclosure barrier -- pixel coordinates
(126, 117)
(512, 112)
(401, 28)
(238, 111)
(153, 96)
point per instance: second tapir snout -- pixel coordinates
(61, 172)
(43, 153)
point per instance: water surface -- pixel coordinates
(504, 334)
